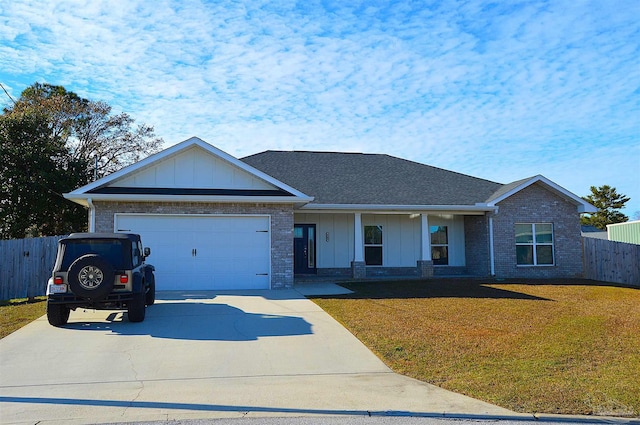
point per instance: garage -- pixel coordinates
(212, 221)
(204, 252)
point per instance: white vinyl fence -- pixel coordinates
(25, 266)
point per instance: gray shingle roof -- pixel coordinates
(355, 178)
(507, 188)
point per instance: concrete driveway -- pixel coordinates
(197, 355)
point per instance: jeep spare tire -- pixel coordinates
(91, 277)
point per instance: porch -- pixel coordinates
(389, 245)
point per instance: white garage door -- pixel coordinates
(204, 252)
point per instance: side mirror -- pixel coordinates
(147, 251)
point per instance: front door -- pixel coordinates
(304, 249)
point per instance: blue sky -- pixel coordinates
(498, 90)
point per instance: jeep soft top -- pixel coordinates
(108, 245)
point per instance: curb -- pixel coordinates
(537, 417)
(549, 417)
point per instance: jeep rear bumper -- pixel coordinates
(115, 300)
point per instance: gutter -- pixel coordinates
(492, 260)
(492, 255)
(382, 208)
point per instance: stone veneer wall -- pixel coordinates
(281, 226)
(536, 204)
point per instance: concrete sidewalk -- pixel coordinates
(206, 355)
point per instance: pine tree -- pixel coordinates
(609, 203)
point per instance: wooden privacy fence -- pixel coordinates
(25, 266)
(611, 261)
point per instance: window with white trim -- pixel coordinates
(373, 245)
(534, 244)
(439, 245)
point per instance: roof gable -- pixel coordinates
(191, 169)
(510, 189)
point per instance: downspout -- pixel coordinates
(92, 216)
(492, 257)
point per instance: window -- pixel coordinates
(311, 246)
(137, 253)
(373, 245)
(439, 245)
(111, 249)
(534, 244)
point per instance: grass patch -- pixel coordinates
(15, 314)
(546, 348)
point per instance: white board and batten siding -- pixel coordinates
(193, 169)
(401, 238)
(204, 252)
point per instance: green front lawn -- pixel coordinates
(553, 347)
(14, 314)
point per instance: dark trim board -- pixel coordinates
(187, 191)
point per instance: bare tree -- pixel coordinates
(50, 139)
(88, 128)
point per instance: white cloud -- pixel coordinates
(499, 91)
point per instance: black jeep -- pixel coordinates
(102, 271)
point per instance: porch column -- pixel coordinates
(425, 263)
(358, 266)
(425, 237)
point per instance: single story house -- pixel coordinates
(214, 221)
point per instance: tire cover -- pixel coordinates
(91, 277)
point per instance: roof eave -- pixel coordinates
(587, 208)
(382, 208)
(83, 199)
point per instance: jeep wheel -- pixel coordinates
(137, 308)
(150, 298)
(57, 314)
(91, 277)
